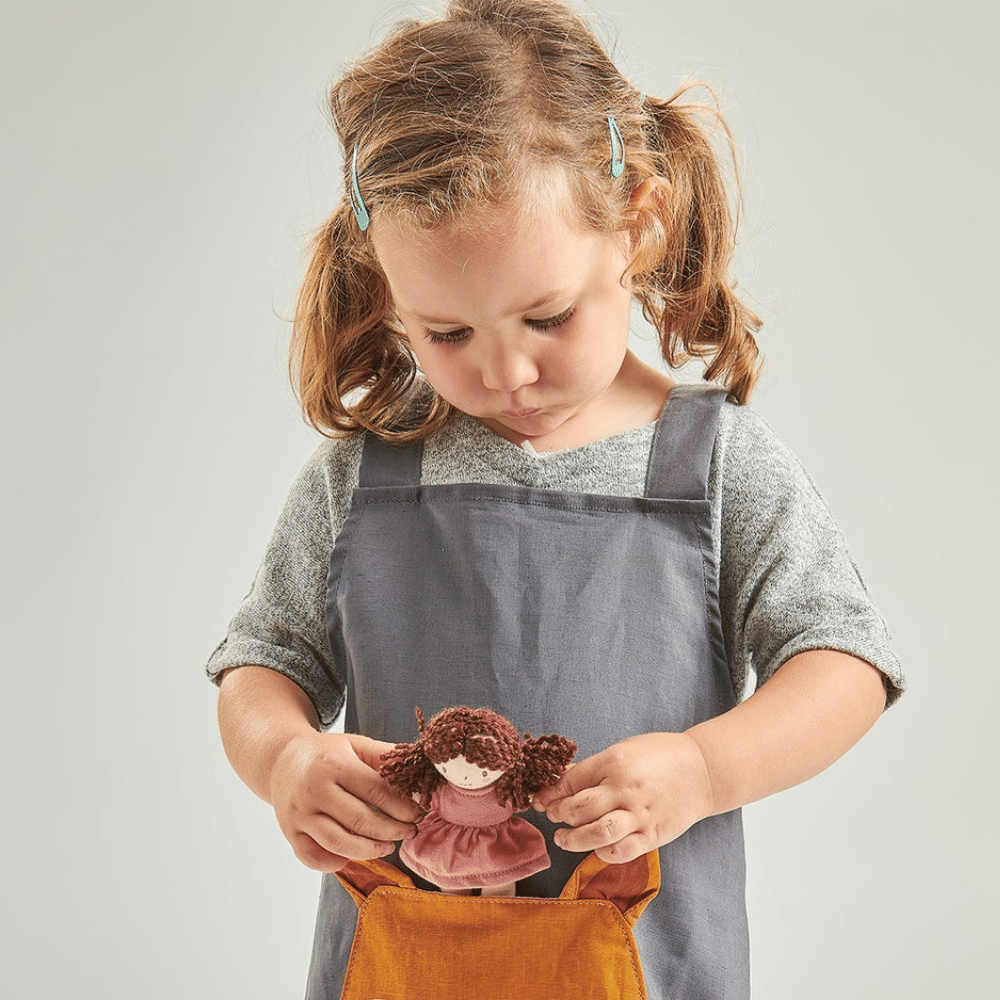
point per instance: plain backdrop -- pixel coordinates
(163, 166)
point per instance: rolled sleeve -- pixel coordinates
(790, 582)
(280, 624)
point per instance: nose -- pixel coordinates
(506, 367)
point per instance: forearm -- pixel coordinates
(816, 707)
(260, 711)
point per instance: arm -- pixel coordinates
(646, 791)
(328, 797)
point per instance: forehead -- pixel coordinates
(498, 260)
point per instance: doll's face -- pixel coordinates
(465, 774)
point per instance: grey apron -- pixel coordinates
(595, 617)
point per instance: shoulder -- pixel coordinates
(761, 493)
(322, 489)
(333, 464)
(767, 503)
(744, 434)
(750, 457)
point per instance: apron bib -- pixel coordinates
(593, 616)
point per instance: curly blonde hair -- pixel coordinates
(471, 110)
(482, 737)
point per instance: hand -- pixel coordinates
(331, 803)
(631, 798)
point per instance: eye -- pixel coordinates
(553, 322)
(448, 336)
(486, 774)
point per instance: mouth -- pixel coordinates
(522, 413)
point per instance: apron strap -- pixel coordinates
(384, 464)
(683, 441)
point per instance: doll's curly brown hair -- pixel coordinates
(483, 738)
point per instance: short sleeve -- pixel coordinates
(280, 624)
(788, 581)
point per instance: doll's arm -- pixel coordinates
(324, 787)
(646, 791)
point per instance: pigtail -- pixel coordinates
(687, 294)
(407, 768)
(352, 367)
(543, 762)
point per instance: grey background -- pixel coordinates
(163, 165)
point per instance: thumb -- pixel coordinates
(370, 751)
(569, 784)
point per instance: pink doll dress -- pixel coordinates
(468, 840)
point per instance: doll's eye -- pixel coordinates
(486, 774)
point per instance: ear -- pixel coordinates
(649, 195)
(648, 198)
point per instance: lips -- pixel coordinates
(522, 413)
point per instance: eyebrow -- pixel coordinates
(544, 300)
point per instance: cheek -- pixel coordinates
(446, 372)
(592, 357)
(432, 358)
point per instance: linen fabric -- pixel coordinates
(561, 592)
(591, 615)
(579, 945)
(788, 581)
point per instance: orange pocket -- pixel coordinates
(411, 944)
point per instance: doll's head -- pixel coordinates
(513, 104)
(474, 748)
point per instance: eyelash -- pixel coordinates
(458, 336)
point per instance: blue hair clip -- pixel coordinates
(357, 202)
(617, 148)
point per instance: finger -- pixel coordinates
(578, 776)
(584, 807)
(316, 857)
(363, 815)
(369, 750)
(631, 847)
(336, 839)
(366, 784)
(609, 829)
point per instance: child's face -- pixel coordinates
(523, 327)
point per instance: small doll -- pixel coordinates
(472, 772)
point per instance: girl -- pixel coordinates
(513, 510)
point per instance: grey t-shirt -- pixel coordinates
(787, 583)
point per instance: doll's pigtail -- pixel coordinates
(408, 768)
(543, 762)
